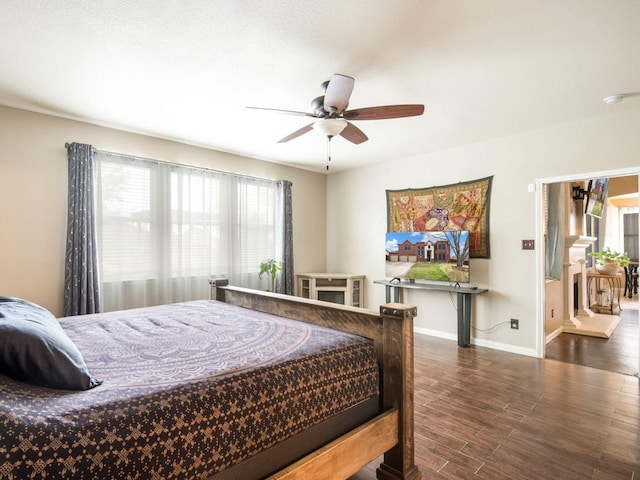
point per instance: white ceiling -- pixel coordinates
(185, 69)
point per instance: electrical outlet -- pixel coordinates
(527, 244)
(515, 323)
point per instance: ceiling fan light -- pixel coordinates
(330, 127)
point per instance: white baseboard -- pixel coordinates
(435, 333)
(505, 347)
(557, 332)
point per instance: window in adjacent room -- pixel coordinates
(630, 234)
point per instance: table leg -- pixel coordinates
(464, 319)
(396, 294)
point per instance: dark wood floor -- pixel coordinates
(486, 414)
(619, 353)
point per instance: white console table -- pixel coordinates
(463, 296)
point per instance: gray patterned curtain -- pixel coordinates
(284, 247)
(81, 280)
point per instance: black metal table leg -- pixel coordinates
(464, 319)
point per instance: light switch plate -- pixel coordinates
(527, 244)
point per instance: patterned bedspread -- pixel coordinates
(189, 389)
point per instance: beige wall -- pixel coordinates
(554, 308)
(33, 196)
(622, 186)
(33, 209)
(593, 145)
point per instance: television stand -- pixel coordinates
(342, 288)
(463, 296)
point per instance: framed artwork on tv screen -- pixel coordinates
(596, 197)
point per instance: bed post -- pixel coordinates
(399, 463)
(218, 293)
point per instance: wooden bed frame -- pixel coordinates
(391, 433)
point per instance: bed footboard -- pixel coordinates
(345, 456)
(392, 432)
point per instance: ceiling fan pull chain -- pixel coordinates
(328, 150)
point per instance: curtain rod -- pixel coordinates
(164, 162)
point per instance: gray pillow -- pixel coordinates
(35, 349)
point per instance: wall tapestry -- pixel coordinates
(460, 206)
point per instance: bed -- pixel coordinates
(160, 399)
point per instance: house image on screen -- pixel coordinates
(429, 251)
(439, 256)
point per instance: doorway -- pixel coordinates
(620, 352)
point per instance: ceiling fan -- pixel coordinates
(332, 117)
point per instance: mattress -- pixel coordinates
(188, 390)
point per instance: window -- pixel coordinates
(164, 230)
(125, 219)
(630, 234)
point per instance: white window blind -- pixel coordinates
(126, 222)
(165, 229)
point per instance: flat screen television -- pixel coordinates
(596, 197)
(441, 256)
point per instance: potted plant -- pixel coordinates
(271, 267)
(608, 261)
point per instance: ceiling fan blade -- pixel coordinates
(384, 112)
(286, 112)
(354, 134)
(297, 133)
(336, 97)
